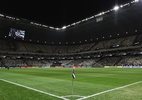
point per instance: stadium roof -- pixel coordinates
(104, 25)
(57, 13)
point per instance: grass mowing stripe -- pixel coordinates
(33, 89)
(109, 90)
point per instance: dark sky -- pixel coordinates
(56, 13)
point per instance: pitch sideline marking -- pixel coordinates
(109, 90)
(33, 89)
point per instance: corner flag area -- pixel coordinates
(56, 84)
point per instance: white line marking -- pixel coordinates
(73, 96)
(109, 90)
(33, 89)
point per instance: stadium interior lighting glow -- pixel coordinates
(64, 27)
(116, 8)
(136, 0)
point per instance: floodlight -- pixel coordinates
(64, 27)
(116, 8)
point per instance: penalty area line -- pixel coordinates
(33, 89)
(86, 97)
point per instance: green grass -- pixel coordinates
(59, 82)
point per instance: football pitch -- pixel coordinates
(58, 84)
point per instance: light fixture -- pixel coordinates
(116, 8)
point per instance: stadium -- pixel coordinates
(103, 52)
